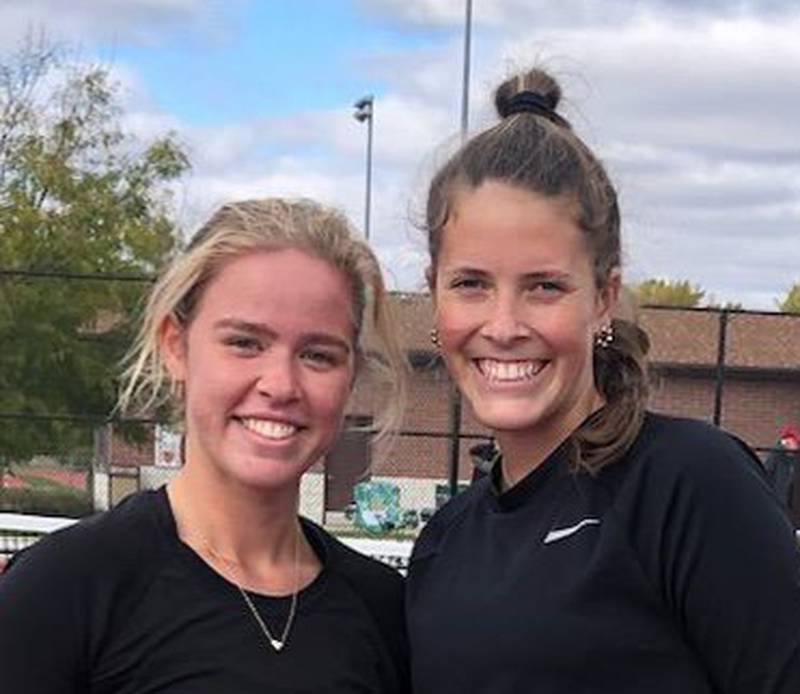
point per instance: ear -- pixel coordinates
(608, 298)
(172, 343)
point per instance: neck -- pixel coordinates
(247, 535)
(525, 450)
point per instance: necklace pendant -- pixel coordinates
(277, 645)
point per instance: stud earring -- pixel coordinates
(434, 335)
(604, 337)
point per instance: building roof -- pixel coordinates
(679, 337)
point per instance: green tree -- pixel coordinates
(791, 302)
(77, 196)
(661, 292)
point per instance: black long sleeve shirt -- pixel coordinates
(672, 571)
(117, 604)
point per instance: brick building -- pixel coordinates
(740, 369)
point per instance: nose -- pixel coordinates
(277, 378)
(506, 322)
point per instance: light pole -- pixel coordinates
(363, 113)
(465, 81)
(455, 395)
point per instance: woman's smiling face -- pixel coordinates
(517, 308)
(267, 362)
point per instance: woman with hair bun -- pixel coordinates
(611, 549)
(214, 583)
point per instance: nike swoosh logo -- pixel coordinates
(561, 533)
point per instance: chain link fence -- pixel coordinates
(56, 475)
(738, 369)
(98, 463)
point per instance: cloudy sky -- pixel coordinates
(692, 104)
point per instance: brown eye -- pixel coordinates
(547, 287)
(551, 286)
(468, 283)
(320, 357)
(243, 343)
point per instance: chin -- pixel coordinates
(514, 417)
(266, 480)
(264, 472)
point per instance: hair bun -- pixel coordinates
(535, 82)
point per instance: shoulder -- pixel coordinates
(374, 580)
(688, 450)
(72, 585)
(71, 591)
(686, 433)
(449, 517)
(684, 473)
(377, 589)
(709, 535)
(112, 540)
(118, 531)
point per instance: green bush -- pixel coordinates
(47, 502)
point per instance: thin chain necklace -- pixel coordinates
(276, 644)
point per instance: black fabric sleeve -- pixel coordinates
(43, 629)
(719, 548)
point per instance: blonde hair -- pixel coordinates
(269, 224)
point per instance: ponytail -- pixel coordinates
(620, 375)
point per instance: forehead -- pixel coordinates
(287, 288)
(497, 223)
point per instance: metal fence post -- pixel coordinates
(101, 467)
(455, 437)
(720, 375)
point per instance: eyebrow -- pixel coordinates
(547, 275)
(317, 338)
(537, 275)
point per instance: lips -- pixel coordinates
(498, 371)
(269, 428)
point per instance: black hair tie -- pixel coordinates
(532, 102)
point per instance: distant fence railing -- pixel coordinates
(19, 531)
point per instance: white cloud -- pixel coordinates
(138, 21)
(424, 12)
(566, 13)
(695, 119)
(696, 122)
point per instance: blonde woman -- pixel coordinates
(214, 584)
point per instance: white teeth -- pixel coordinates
(496, 370)
(268, 428)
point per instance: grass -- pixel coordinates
(44, 484)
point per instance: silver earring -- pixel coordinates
(604, 337)
(434, 335)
